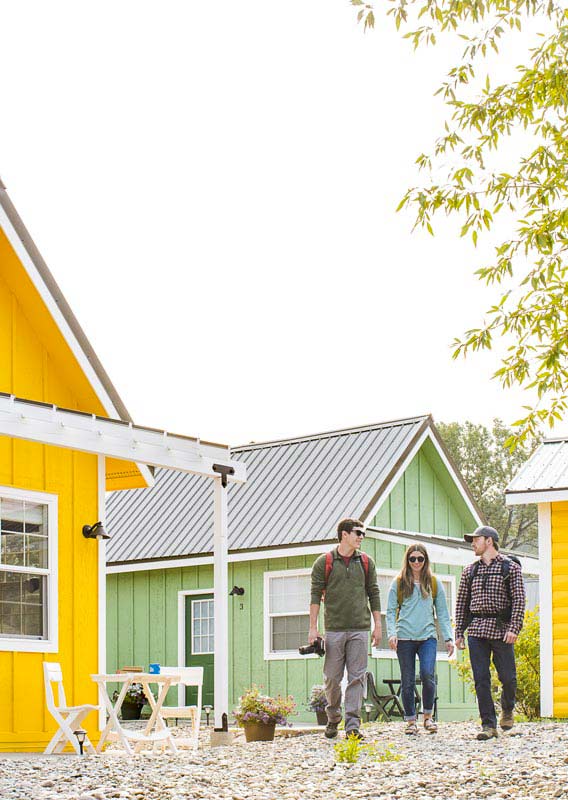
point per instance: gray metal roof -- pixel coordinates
(546, 469)
(296, 492)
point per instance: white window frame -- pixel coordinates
(280, 655)
(392, 573)
(193, 601)
(51, 643)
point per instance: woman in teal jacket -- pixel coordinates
(411, 630)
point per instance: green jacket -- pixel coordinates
(347, 599)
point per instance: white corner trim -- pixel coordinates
(101, 584)
(182, 632)
(545, 590)
(51, 643)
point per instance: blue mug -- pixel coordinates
(154, 669)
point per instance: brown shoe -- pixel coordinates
(487, 732)
(506, 720)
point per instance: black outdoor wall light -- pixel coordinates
(236, 590)
(95, 531)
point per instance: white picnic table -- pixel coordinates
(155, 729)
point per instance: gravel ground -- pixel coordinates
(529, 762)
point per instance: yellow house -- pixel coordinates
(544, 480)
(65, 439)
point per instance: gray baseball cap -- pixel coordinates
(484, 530)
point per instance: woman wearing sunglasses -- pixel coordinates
(411, 629)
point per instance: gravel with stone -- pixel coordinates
(529, 762)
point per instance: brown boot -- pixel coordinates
(487, 732)
(506, 720)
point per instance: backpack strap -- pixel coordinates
(328, 565)
(434, 587)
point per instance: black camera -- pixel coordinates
(317, 647)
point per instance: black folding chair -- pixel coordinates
(385, 706)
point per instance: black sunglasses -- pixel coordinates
(420, 559)
(359, 533)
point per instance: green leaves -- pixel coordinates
(531, 314)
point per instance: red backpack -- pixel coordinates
(329, 567)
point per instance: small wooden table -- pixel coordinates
(155, 729)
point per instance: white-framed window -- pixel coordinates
(385, 577)
(28, 571)
(202, 627)
(286, 613)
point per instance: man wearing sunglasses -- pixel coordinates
(348, 579)
(491, 606)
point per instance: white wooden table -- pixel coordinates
(155, 729)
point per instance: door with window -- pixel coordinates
(200, 643)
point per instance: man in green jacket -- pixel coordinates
(351, 596)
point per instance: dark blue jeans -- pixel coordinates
(406, 652)
(480, 652)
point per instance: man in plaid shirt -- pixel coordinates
(494, 617)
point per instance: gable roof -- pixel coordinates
(51, 296)
(544, 477)
(296, 491)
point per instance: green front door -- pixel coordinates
(200, 643)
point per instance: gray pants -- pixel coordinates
(345, 650)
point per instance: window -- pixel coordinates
(287, 619)
(202, 630)
(28, 562)
(385, 578)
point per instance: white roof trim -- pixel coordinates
(538, 496)
(91, 434)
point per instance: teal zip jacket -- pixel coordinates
(347, 598)
(416, 616)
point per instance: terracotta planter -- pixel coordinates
(321, 717)
(130, 710)
(259, 731)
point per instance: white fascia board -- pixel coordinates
(91, 434)
(543, 496)
(426, 434)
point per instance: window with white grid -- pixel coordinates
(287, 603)
(202, 627)
(28, 582)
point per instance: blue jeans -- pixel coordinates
(480, 652)
(406, 652)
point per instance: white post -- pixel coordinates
(221, 602)
(101, 547)
(545, 610)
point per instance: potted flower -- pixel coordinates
(259, 714)
(134, 700)
(317, 703)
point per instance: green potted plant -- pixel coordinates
(259, 714)
(133, 702)
(317, 703)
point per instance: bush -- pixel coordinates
(527, 656)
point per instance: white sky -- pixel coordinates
(214, 184)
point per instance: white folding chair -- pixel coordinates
(189, 676)
(68, 718)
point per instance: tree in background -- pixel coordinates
(488, 466)
(473, 175)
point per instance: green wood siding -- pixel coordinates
(142, 622)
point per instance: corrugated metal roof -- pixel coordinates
(546, 469)
(296, 492)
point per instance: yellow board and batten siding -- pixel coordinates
(559, 527)
(29, 368)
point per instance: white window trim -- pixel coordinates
(200, 652)
(51, 643)
(282, 655)
(388, 653)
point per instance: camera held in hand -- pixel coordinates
(318, 647)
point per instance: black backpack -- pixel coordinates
(503, 616)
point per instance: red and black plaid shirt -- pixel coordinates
(489, 595)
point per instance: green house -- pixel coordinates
(396, 476)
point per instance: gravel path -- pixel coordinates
(530, 762)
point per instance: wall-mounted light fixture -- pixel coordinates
(95, 531)
(236, 590)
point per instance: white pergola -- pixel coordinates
(103, 437)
